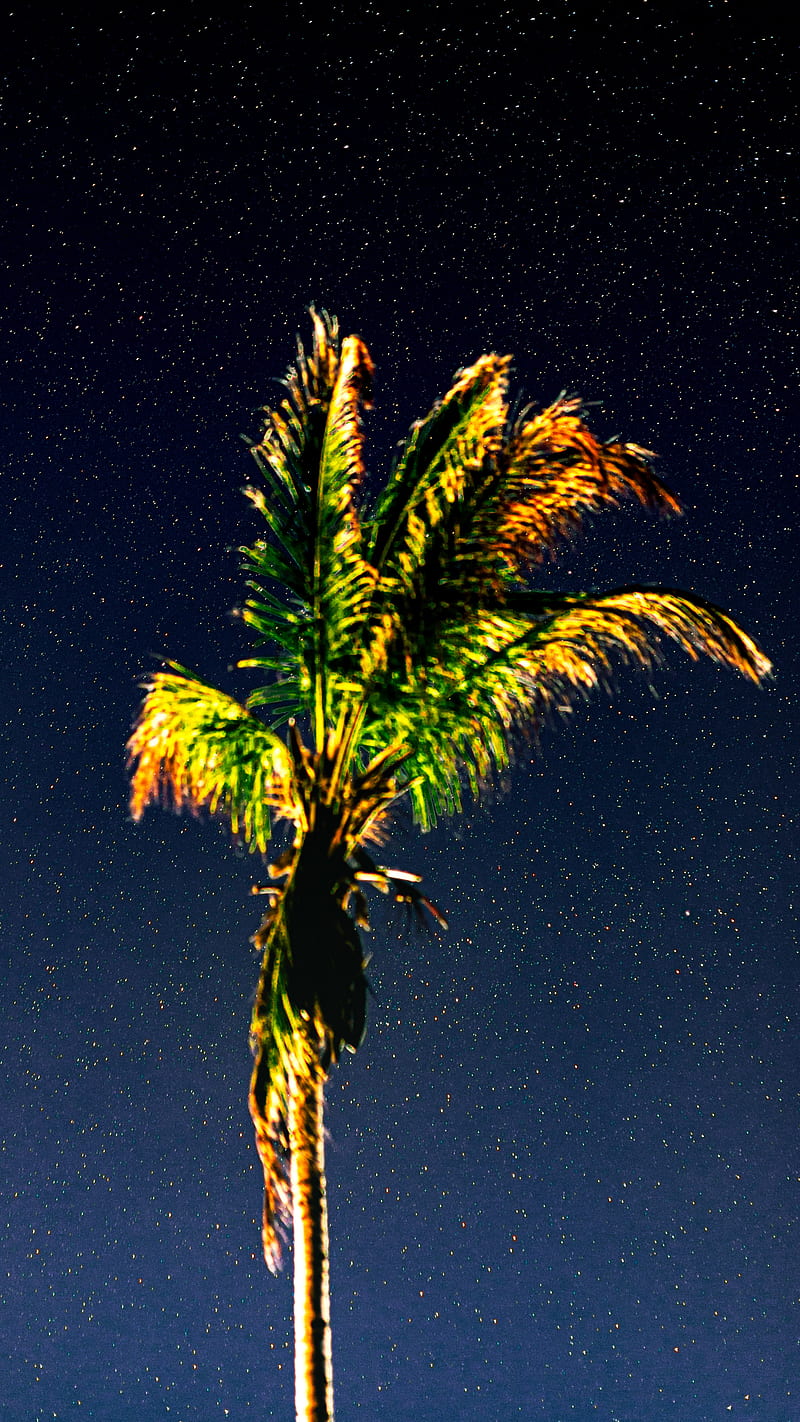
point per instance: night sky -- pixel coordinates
(564, 1168)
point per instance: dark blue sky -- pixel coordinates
(564, 1167)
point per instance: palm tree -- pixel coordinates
(401, 632)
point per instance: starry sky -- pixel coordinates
(564, 1167)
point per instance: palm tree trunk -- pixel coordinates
(313, 1374)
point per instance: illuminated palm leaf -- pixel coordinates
(626, 620)
(446, 467)
(490, 675)
(555, 472)
(195, 748)
(310, 454)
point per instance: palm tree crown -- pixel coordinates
(403, 632)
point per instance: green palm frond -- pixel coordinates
(500, 671)
(471, 504)
(194, 747)
(310, 455)
(445, 465)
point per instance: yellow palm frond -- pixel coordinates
(343, 443)
(194, 747)
(487, 679)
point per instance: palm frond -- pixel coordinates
(288, 452)
(288, 448)
(194, 747)
(500, 670)
(446, 456)
(626, 620)
(274, 1031)
(342, 579)
(450, 545)
(311, 456)
(556, 472)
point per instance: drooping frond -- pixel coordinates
(497, 673)
(556, 472)
(274, 1029)
(196, 748)
(312, 988)
(627, 619)
(282, 1032)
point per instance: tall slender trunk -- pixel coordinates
(313, 1373)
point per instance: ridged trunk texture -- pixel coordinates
(313, 1373)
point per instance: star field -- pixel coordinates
(564, 1171)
